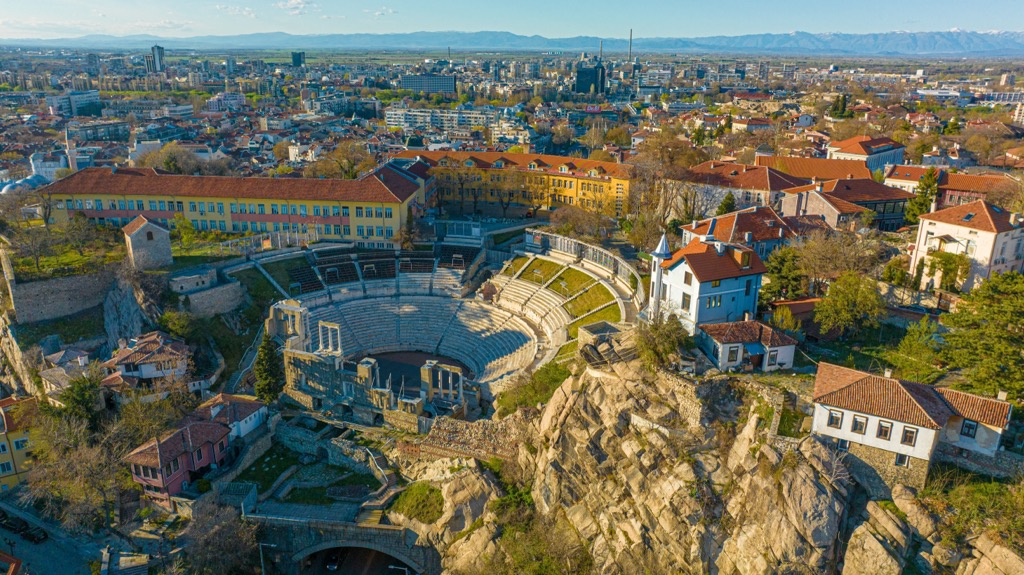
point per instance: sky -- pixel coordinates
(551, 18)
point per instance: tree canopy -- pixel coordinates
(268, 370)
(921, 203)
(852, 302)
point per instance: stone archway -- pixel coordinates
(399, 554)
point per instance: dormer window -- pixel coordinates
(469, 163)
(563, 169)
(499, 164)
(533, 165)
(745, 260)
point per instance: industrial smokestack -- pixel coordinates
(629, 56)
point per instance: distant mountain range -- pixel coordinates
(953, 43)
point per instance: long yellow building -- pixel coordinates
(14, 444)
(534, 180)
(369, 211)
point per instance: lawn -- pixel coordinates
(66, 261)
(539, 389)
(515, 264)
(265, 470)
(590, 300)
(574, 279)
(610, 314)
(231, 345)
(540, 271)
(318, 495)
(567, 349)
(279, 270)
(182, 261)
(420, 501)
(262, 293)
(85, 324)
(866, 350)
(970, 504)
(789, 423)
(506, 236)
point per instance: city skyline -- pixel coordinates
(602, 18)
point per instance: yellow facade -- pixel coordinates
(15, 459)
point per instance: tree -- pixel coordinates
(81, 398)
(219, 541)
(921, 203)
(33, 243)
(783, 319)
(660, 340)
(281, 150)
(785, 279)
(618, 136)
(78, 232)
(918, 353)
(562, 134)
(268, 370)
(181, 324)
(594, 138)
(577, 222)
(727, 206)
(456, 178)
(601, 156)
(825, 256)
(185, 231)
(953, 269)
(852, 302)
(986, 336)
(346, 162)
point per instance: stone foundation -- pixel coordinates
(876, 470)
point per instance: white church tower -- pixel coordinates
(660, 254)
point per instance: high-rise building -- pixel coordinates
(298, 59)
(1018, 116)
(590, 79)
(1008, 80)
(155, 60)
(428, 83)
(229, 66)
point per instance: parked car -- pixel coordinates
(36, 535)
(15, 524)
(332, 562)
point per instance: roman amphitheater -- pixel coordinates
(407, 337)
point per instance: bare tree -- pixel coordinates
(219, 541)
(78, 231)
(33, 243)
(457, 179)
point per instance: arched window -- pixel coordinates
(149, 236)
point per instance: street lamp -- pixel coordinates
(263, 568)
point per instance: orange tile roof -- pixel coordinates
(747, 332)
(707, 265)
(136, 225)
(761, 221)
(904, 401)
(486, 160)
(819, 168)
(856, 190)
(986, 217)
(382, 186)
(954, 182)
(172, 445)
(865, 145)
(742, 176)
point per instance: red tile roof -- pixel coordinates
(856, 191)
(761, 221)
(819, 168)
(137, 224)
(747, 332)
(865, 145)
(707, 264)
(978, 183)
(904, 401)
(374, 187)
(148, 348)
(979, 215)
(742, 176)
(228, 408)
(176, 443)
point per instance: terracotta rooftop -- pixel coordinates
(979, 215)
(708, 265)
(747, 332)
(374, 187)
(904, 401)
(980, 183)
(815, 168)
(865, 145)
(137, 224)
(761, 221)
(172, 445)
(742, 176)
(856, 191)
(226, 408)
(148, 348)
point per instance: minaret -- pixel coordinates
(660, 254)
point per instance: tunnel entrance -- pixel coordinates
(354, 561)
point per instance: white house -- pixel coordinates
(707, 281)
(241, 414)
(890, 428)
(740, 344)
(146, 362)
(990, 236)
(876, 152)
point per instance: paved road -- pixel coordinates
(59, 554)
(357, 561)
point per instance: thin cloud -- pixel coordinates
(243, 11)
(381, 12)
(297, 7)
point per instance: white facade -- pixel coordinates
(989, 252)
(924, 443)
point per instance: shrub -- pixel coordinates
(420, 501)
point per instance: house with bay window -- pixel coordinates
(890, 429)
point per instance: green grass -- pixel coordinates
(590, 300)
(318, 495)
(515, 265)
(262, 293)
(574, 279)
(865, 350)
(538, 389)
(970, 504)
(889, 506)
(85, 324)
(182, 262)
(279, 270)
(506, 236)
(265, 470)
(789, 423)
(567, 349)
(420, 501)
(65, 261)
(540, 271)
(609, 314)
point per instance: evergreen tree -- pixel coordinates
(728, 205)
(927, 189)
(269, 371)
(986, 335)
(785, 280)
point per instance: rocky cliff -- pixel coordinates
(648, 489)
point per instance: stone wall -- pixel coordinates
(1005, 464)
(216, 300)
(875, 469)
(250, 453)
(402, 420)
(59, 297)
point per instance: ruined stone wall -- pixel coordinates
(59, 297)
(876, 470)
(1004, 464)
(216, 300)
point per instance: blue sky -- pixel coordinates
(608, 18)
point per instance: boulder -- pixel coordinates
(919, 518)
(867, 555)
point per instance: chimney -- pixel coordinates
(748, 238)
(1016, 219)
(746, 316)
(821, 187)
(782, 233)
(1001, 396)
(720, 248)
(888, 372)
